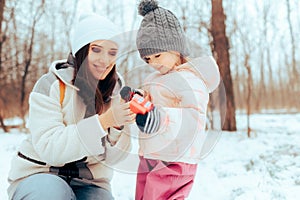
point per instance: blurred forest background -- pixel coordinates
(258, 54)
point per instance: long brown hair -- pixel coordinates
(94, 93)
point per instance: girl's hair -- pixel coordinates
(183, 59)
(94, 93)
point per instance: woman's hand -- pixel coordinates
(117, 115)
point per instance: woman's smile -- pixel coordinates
(100, 69)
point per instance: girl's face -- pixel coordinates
(101, 58)
(164, 61)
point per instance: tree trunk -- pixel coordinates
(221, 53)
(249, 92)
(26, 70)
(2, 4)
(28, 58)
(294, 83)
(2, 125)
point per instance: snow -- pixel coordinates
(265, 166)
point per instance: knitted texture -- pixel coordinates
(159, 31)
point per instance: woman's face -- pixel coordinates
(163, 61)
(101, 58)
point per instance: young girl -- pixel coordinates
(173, 133)
(75, 132)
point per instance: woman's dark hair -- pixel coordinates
(95, 93)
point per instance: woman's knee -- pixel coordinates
(43, 186)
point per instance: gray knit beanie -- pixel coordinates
(159, 31)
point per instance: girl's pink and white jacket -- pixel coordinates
(181, 97)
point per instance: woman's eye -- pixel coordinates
(113, 53)
(156, 56)
(96, 49)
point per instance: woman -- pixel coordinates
(76, 120)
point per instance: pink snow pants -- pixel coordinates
(159, 180)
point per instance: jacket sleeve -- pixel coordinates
(55, 142)
(117, 152)
(118, 149)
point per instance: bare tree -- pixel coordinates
(2, 38)
(68, 18)
(266, 56)
(220, 50)
(28, 45)
(28, 56)
(2, 5)
(294, 75)
(249, 90)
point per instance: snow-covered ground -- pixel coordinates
(265, 166)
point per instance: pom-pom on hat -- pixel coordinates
(91, 27)
(159, 31)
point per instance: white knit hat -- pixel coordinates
(92, 27)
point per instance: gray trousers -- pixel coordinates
(47, 186)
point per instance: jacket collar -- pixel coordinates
(64, 70)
